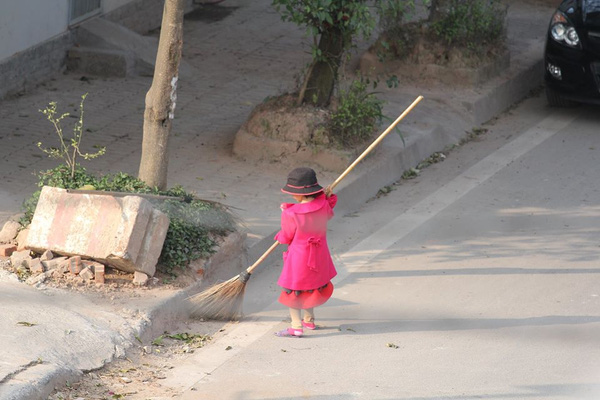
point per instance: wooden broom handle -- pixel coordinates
(346, 172)
(376, 142)
(262, 258)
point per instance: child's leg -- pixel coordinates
(309, 318)
(296, 319)
(309, 315)
(296, 329)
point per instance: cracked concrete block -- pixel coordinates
(124, 232)
(153, 242)
(22, 239)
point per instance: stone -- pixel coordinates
(86, 274)
(140, 278)
(9, 231)
(7, 249)
(20, 259)
(38, 279)
(36, 266)
(22, 239)
(47, 255)
(124, 232)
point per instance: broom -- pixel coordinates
(224, 300)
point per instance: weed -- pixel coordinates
(69, 149)
(359, 112)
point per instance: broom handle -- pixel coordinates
(376, 142)
(262, 258)
(346, 172)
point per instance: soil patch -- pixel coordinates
(278, 131)
(414, 56)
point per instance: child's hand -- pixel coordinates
(328, 191)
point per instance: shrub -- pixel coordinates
(471, 23)
(357, 115)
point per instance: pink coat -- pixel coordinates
(307, 263)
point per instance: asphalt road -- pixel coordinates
(476, 280)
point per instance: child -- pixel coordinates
(307, 265)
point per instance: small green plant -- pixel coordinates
(358, 113)
(69, 148)
(471, 23)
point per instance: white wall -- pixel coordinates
(25, 23)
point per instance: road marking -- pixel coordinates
(244, 334)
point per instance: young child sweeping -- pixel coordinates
(307, 265)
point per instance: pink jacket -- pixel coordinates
(307, 263)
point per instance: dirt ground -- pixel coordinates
(140, 375)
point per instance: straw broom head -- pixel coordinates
(222, 301)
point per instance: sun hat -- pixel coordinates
(303, 181)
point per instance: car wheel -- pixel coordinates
(555, 99)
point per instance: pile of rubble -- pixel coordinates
(35, 269)
(81, 237)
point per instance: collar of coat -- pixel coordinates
(303, 208)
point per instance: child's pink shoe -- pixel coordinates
(309, 325)
(290, 332)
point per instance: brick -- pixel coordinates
(75, 265)
(86, 273)
(99, 273)
(54, 263)
(7, 249)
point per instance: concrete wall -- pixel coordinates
(35, 36)
(27, 23)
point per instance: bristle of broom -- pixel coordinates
(219, 302)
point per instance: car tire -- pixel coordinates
(555, 99)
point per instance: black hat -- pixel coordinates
(302, 181)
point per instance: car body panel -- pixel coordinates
(580, 66)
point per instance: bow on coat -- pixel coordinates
(313, 244)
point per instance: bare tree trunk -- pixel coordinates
(161, 98)
(323, 74)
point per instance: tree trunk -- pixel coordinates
(323, 75)
(161, 98)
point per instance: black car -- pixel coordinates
(572, 55)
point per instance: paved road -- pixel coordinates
(479, 279)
